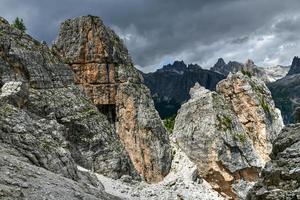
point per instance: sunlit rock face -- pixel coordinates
(105, 71)
(228, 133)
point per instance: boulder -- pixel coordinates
(228, 133)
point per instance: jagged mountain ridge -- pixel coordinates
(170, 85)
(267, 74)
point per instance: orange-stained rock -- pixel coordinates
(229, 133)
(105, 71)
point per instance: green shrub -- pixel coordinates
(241, 137)
(169, 123)
(19, 24)
(264, 105)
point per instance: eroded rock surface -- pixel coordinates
(281, 176)
(252, 102)
(105, 71)
(53, 96)
(48, 126)
(228, 133)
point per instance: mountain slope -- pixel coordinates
(295, 67)
(286, 94)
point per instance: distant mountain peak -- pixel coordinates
(249, 63)
(194, 66)
(176, 66)
(220, 63)
(295, 68)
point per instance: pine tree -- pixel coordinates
(19, 24)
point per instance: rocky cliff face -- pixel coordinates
(295, 67)
(104, 70)
(228, 133)
(280, 177)
(170, 85)
(36, 132)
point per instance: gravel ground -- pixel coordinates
(181, 183)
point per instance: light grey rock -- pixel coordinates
(20, 180)
(48, 123)
(281, 177)
(179, 182)
(228, 133)
(15, 93)
(52, 95)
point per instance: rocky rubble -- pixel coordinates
(182, 182)
(281, 176)
(228, 133)
(105, 71)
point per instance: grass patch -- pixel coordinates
(225, 123)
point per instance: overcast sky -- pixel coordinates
(157, 32)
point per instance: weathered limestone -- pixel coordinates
(281, 176)
(228, 134)
(48, 126)
(105, 71)
(253, 104)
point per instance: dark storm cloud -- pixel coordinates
(158, 31)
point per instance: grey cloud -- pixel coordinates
(195, 30)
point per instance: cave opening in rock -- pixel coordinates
(109, 110)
